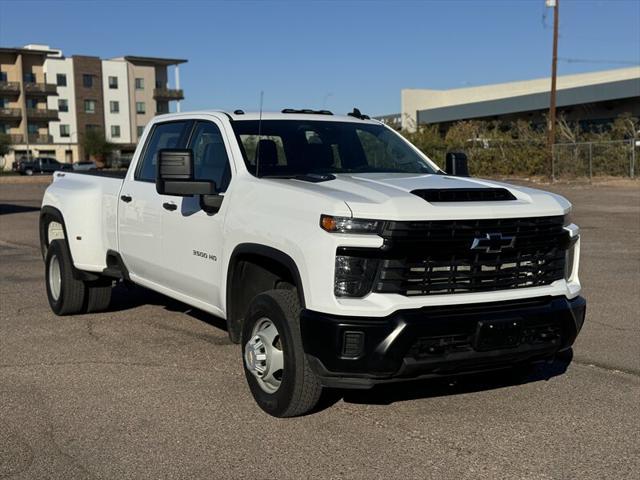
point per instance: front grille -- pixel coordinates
(435, 257)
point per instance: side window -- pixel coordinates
(210, 159)
(164, 135)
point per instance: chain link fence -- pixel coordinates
(570, 160)
(592, 159)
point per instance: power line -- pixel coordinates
(585, 60)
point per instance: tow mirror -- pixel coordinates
(175, 175)
(457, 164)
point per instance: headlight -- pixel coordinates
(354, 275)
(349, 225)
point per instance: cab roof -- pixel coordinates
(238, 116)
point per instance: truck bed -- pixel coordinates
(102, 173)
(89, 201)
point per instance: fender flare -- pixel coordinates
(55, 214)
(263, 251)
(48, 211)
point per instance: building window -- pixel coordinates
(113, 82)
(140, 131)
(141, 108)
(114, 107)
(89, 106)
(63, 105)
(32, 129)
(92, 128)
(139, 83)
(115, 131)
(87, 80)
(3, 102)
(61, 80)
(32, 103)
(64, 130)
(3, 76)
(30, 77)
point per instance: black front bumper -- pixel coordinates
(358, 352)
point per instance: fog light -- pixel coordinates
(354, 275)
(352, 344)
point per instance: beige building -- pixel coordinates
(48, 102)
(149, 89)
(587, 97)
(24, 111)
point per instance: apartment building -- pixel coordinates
(117, 112)
(59, 71)
(24, 93)
(77, 94)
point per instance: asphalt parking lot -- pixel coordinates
(154, 389)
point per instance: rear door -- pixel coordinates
(140, 210)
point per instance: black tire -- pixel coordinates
(28, 172)
(71, 293)
(98, 295)
(299, 390)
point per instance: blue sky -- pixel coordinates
(333, 54)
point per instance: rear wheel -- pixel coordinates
(98, 295)
(275, 364)
(66, 294)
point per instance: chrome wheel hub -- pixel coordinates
(55, 278)
(263, 355)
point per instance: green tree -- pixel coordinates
(5, 144)
(428, 139)
(96, 146)
(625, 127)
(5, 148)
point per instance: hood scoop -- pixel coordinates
(436, 195)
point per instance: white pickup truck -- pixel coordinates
(338, 253)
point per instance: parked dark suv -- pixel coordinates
(39, 165)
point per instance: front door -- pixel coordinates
(140, 210)
(192, 238)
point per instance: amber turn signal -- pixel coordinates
(328, 223)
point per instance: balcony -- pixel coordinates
(10, 113)
(39, 89)
(9, 88)
(39, 139)
(168, 94)
(42, 114)
(16, 138)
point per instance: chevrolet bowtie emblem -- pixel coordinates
(492, 243)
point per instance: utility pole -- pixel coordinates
(554, 70)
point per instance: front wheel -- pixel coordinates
(275, 364)
(28, 172)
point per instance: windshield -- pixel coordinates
(297, 147)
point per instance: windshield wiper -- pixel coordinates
(306, 177)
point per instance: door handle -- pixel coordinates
(169, 206)
(125, 198)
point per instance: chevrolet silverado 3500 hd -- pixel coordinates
(339, 254)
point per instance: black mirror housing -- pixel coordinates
(457, 164)
(174, 174)
(175, 164)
